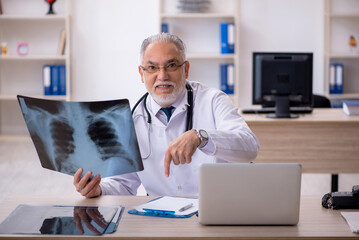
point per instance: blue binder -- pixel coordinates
(336, 78)
(227, 78)
(46, 79)
(62, 80)
(332, 78)
(55, 80)
(223, 76)
(164, 27)
(339, 78)
(224, 35)
(227, 37)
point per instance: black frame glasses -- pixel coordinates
(170, 67)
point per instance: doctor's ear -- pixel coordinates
(187, 65)
(141, 73)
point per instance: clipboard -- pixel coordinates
(168, 207)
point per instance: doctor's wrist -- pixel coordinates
(203, 137)
(196, 140)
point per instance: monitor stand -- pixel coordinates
(282, 108)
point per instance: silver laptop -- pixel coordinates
(249, 193)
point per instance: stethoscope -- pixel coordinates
(189, 123)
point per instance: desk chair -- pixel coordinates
(320, 101)
(323, 102)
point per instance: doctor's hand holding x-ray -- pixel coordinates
(172, 152)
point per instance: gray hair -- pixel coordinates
(164, 38)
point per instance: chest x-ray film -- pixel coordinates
(96, 136)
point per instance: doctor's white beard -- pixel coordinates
(167, 99)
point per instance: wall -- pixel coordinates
(280, 25)
(106, 38)
(107, 35)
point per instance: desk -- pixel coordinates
(315, 221)
(325, 141)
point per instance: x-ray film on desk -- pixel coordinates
(96, 136)
(61, 220)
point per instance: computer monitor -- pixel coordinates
(282, 80)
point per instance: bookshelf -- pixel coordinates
(341, 18)
(200, 31)
(27, 21)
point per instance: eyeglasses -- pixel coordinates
(171, 67)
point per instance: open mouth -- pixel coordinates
(164, 87)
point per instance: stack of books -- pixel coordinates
(193, 6)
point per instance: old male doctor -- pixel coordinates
(171, 150)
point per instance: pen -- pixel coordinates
(185, 207)
(159, 212)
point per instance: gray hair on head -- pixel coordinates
(164, 38)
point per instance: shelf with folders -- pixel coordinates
(201, 36)
(341, 50)
(201, 33)
(30, 80)
(31, 39)
(343, 78)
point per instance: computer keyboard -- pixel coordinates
(272, 110)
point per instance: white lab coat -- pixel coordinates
(230, 140)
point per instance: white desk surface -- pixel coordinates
(315, 221)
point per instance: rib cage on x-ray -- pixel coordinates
(97, 136)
